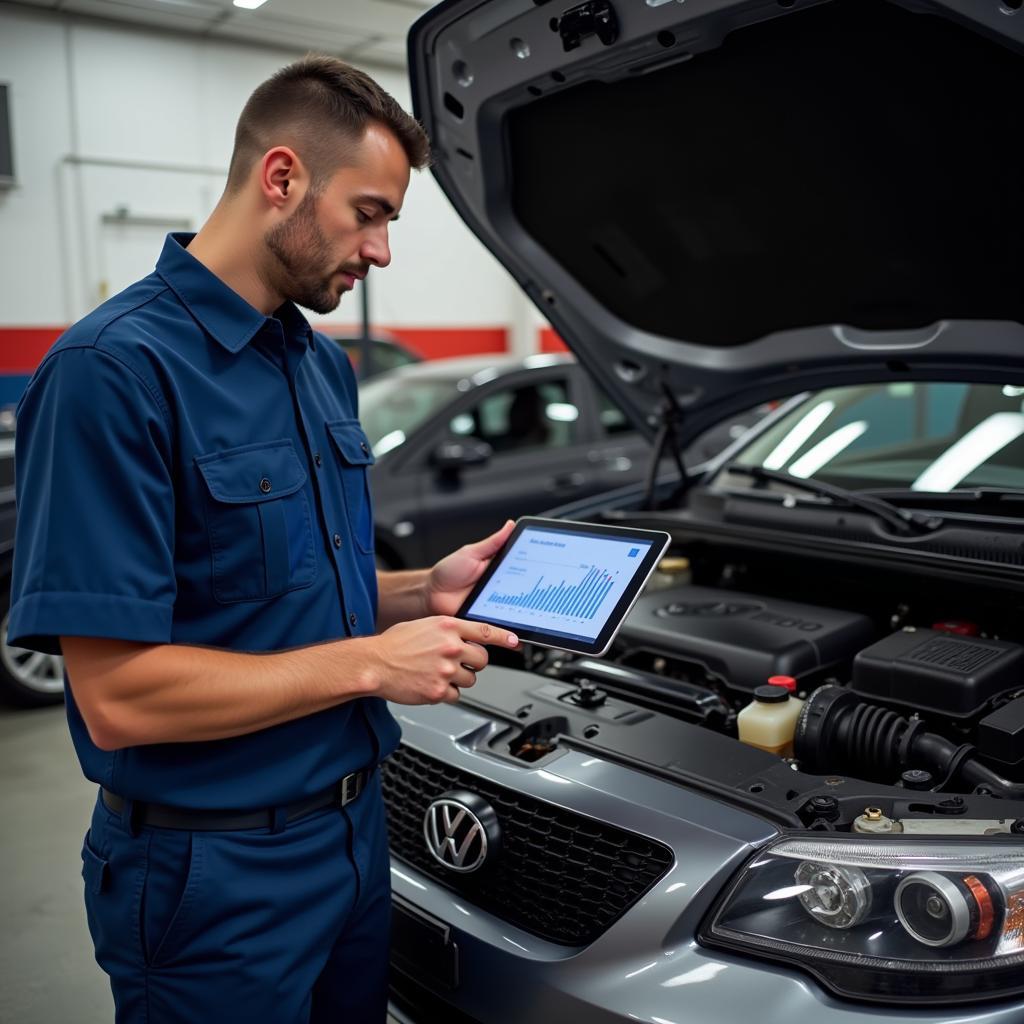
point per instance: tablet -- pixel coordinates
(566, 585)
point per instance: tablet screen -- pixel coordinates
(565, 581)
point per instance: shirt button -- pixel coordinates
(337, 540)
(319, 462)
(352, 618)
(265, 485)
(362, 444)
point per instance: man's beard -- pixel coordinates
(301, 271)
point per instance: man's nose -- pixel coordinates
(376, 250)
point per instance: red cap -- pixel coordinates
(787, 681)
(960, 628)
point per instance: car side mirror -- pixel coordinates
(456, 455)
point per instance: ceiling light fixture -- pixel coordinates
(249, 5)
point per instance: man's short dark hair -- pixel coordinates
(319, 105)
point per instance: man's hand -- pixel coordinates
(427, 661)
(453, 577)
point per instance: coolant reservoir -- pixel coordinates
(769, 720)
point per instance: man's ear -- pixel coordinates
(279, 169)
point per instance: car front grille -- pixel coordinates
(559, 875)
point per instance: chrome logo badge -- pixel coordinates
(461, 830)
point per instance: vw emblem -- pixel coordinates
(462, 831)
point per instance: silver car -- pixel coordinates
(720, 203)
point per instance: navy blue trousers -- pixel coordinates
(217, 927)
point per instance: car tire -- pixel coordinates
(28, 679)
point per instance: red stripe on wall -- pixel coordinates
(443, 342)
(434, 342)
(551, 342)
(22, 348)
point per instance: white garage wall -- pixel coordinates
(34, 276)
(85, 94)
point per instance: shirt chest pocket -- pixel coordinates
(354, 458)
(257, 514)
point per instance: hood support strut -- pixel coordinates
(666, 416)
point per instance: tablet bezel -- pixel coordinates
(659, 542)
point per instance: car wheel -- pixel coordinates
(27, 678)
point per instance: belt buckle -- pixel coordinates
(350, 787)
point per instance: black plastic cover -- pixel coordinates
(744, 639)
(938, 672)
(1001, 734)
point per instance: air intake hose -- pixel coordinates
(837, 731)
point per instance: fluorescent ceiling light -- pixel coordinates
(825, 451)
(977, 446)
(249, 5)
(802, 430)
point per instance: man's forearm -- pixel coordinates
(402, 597)
(135, 694)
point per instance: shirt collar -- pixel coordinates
(221, 311)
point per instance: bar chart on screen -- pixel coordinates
(560, 581)
(581, 599)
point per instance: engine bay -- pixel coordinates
(906, 711)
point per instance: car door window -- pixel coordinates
(521, 418)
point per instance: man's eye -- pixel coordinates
(363, 217)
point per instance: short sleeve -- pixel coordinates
(94, 544)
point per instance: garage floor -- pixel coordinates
(47, 970)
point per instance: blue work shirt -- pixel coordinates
(190, 471)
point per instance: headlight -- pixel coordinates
(883, 920)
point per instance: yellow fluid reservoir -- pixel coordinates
(769, 720)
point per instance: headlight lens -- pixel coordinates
(836, 896)
(883, 920)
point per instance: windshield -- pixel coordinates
(390, 410)
(929, 437)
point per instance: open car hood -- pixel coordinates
(719, 202)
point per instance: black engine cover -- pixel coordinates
(743, 638)
(937, 672)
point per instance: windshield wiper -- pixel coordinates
(991, 499)
(901, 520)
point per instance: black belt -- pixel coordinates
(161, 816)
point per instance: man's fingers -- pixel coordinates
(475, 657)
(452, 696)
(464, 677)
(482, 633)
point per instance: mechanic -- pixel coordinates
(195, 536)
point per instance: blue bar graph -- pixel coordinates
(580, 600)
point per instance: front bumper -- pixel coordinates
(647, 965)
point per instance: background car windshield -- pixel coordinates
(390, 410)
(933, 437)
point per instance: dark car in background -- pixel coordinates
(464, 444)
(376, 354)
